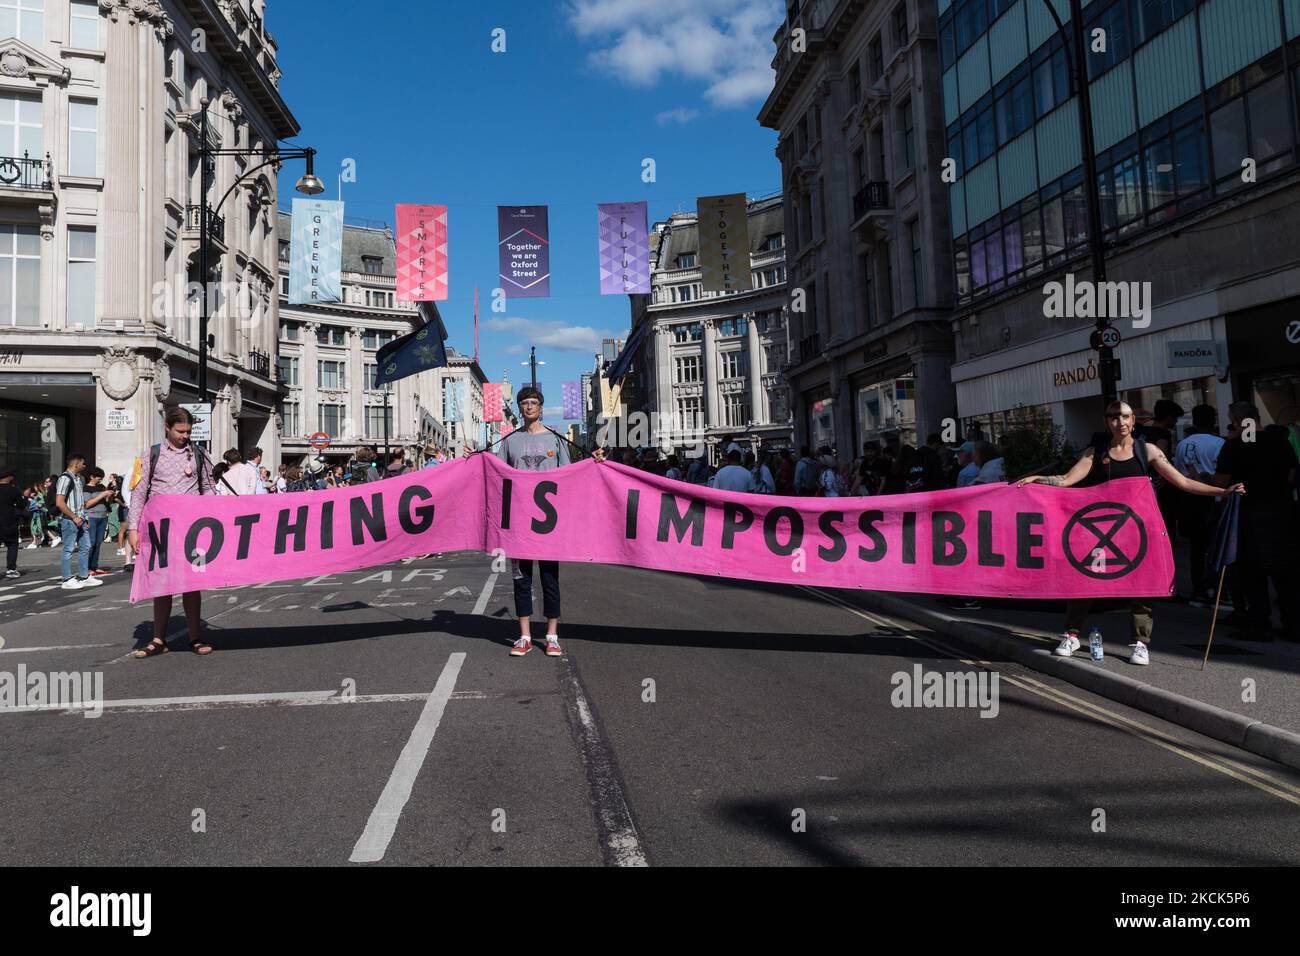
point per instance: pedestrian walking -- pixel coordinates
(99, 499)
(534, 447)
(1119, 455)
(12, 512)
(1197, 456)
(70, 506)
(175, 466)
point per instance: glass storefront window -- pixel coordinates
(23, 443)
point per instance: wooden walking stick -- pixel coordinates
(1217, 596)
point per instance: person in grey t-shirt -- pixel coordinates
(534, 447)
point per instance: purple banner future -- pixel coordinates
(624, 248)
(525, 251)
(572, 402)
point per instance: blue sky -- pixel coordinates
(584, 92)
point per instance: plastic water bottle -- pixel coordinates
(1095, 645)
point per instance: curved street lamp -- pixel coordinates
(309, 184)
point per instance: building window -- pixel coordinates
(1051, 77)
(20, 275)
(369, 372)
(855, 83)
(687, 369)
(84, 32)
(684, 293)
(20, 127)
(292, 423)
(774, 242)
(688, 414)
(735, 410)
(331, 374)
(869, 290)
(692, 332)
(83, 124)
(379, 421)
(372, 265)
(331, 335)
(1014, 105)
(733, 365)
(1152, 16)
(291, 331)
(900, 26)
(328, 418)
(24, 19)
(284, 285)
(1114, 21)
(876, 59)
(686, 260)
(81, 277)
(909, 135)
(284, 250)
(288, 366)
(769, 277)
(376, 338)
(969, 23)
(736, 325)
(914, 230)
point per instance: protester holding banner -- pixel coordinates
(534, 447)
(1119, 455)
(175, 466)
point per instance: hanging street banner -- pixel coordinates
(421, 253)
(572, 401)
(492, 402)
(525, 251)
(506, 428)
(316, 252)
(724, 243)
(1107, 541)
(624, 248)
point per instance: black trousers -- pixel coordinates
(1267, 551)
(10, 538)
(550, 574)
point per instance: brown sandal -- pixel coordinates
(200, 646)
(152, 649)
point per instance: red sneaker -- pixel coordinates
(553, 646)
(521, 647)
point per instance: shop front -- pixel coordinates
(1264, 360)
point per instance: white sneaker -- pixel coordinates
(1069, 644)
(72, 584)
(30, 547)
(91, 582)
(12, 574)
(56, 542)
(1139, 655)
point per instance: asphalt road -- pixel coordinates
(376, 717)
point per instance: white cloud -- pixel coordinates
(553, 411)
(551, 334)
(726, 44)
(680, 114)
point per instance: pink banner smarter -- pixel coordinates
(995, 540)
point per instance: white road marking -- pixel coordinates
(374, 841)
(50, 647)
(160, 705)
(486, 594)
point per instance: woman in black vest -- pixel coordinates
(1120, 455)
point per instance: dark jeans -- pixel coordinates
(10, 538)
(550, 573)
(97, 526)
(1194, 521)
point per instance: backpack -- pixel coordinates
(199, 456)
(812, 477)
(52, 513)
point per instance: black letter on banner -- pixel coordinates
(909, 537)
(735, 518)
(796, 531)
(945, 529)
(327, 525)
(214, 544)
(298, 529)
(988, 557)
(692, 518)
(540, 491)
(1026, 540)
(867, 525)
(245, 524)
(633, 504)
(506, 486)
(827, 524)
(158, 548)
(409, 524)
(373, 519)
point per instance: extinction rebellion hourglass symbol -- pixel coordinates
(1105, 540)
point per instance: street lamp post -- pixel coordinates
(533, 362)
(309, 185)
(1076, 51)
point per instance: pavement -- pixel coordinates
(376, 718)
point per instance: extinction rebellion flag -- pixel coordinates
(525, 251)
(724, 243)
(624, 248)
(316, 252)
(421, 253)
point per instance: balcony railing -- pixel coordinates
(24, 172)
(216, 224)
(872, 196)
(259, 363)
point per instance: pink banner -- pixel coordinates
(421, 253)
(1033, 542)
(492, 402)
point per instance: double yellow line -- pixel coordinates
(1231, 768)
